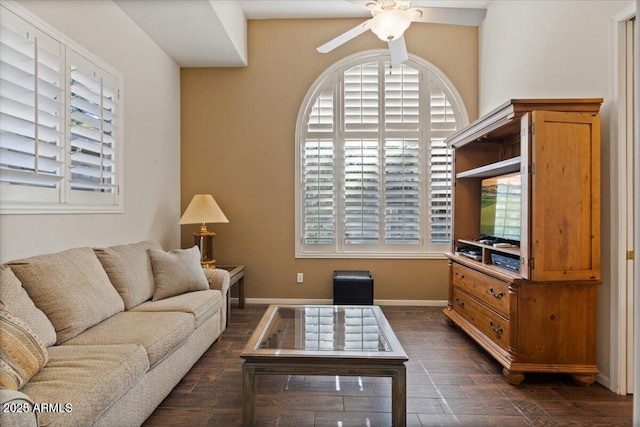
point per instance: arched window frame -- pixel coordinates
(332, 80)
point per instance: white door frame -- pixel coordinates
(636, 375)
(621, 378)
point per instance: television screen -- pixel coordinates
(500, 207)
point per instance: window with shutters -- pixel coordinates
(373, 174)
(60, 143)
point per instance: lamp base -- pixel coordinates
(203, 239)
(208, 264)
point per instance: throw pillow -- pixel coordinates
(177, 272)
(22, 353)
(129, 269)
(71, 288)
(17, 301)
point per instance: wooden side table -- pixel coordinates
(236, 275)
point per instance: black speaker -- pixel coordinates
(352, 288)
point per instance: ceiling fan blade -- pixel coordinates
(345, 37)
(398, 49)
(448, 15)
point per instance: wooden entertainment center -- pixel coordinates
(540, 315)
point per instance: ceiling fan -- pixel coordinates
(391, 18)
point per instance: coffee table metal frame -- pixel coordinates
(266, 361)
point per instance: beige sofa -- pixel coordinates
(114, 349)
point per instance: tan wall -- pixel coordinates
(238, 143)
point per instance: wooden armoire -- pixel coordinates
(537, 314)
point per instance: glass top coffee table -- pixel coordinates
(324, 340)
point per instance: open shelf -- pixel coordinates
(493, 169)
(484, 257)
(512, 250)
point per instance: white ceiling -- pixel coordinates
(213, 33)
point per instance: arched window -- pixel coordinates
(373, 175)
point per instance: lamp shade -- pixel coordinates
(202, 209)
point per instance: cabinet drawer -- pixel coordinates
(493, 292)
(488, 322)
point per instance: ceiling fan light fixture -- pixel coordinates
(391, 24)
(391, 18)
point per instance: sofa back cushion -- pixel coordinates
(129, 269)
(17, 301)
(71, 288)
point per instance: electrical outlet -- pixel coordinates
(299, 277)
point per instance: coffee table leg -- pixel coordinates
(399, 397)
(248, 395)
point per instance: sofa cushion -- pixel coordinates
(159, 333)
(22, 353)
(177, 272)
(129, 269)
(17, 301)
(85, 381)
(201, 304)
(71, 288)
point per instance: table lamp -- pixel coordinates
(203, 209)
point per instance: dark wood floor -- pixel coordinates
(450, 381)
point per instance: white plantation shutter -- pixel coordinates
(321, 116)
(31, 106)
(375, 174)
(402, 154)
(319, 192)
(361, 110)
(361, 158)
(361, 191)
(93, 127)
(59, 127)
(402, 191)
(319, 168)
(443, 123)
(402, 97)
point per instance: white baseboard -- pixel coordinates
(421, 303)
(293, 301)
(603, 380)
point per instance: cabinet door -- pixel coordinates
(565, 196)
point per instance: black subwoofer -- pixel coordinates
(352, 288)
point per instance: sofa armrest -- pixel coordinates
(17, 409)
(218, 279)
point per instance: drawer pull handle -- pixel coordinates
(496, 295)
(460, 303)
(496, 329)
